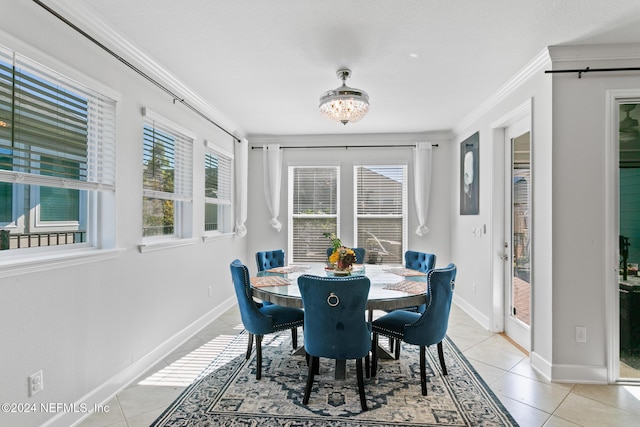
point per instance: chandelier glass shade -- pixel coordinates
(344, 104)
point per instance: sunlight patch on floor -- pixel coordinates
(633, 390)
(202, 361)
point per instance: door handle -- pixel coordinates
(504, 257)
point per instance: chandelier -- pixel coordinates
(344, 104)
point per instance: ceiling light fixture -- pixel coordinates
(344, 104)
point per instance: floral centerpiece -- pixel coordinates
(342, 257)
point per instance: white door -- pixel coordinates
(628, 283)
(517, 245)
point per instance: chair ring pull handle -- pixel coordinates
(333, 300)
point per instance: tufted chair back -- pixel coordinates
(334, 309)
(266, 260)
(419, 261)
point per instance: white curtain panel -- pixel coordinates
(422, 155)
(272, 167)
(242, 185)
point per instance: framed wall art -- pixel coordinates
(469, 175)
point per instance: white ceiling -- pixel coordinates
(426, 64)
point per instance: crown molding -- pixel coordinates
(536, 65)
(85, 19)
(600, 52)
(354, 139)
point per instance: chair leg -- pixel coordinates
(312, 369)
(294, 338)
(363, 398)
(374, 355)
(258, 357)
(367, 366)
(441, 357)
(249, 346)
(398, 345)
(423, 370)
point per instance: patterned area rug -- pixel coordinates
(227, 393)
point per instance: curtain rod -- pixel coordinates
(346, 147)
(136, 69)
(589, 70)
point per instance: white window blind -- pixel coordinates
(167, 162)
(53, 131)
(57, 149)
(313, 210)
(381, 207)
(217, 189)
(167, 176)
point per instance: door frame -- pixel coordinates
(498, 127)
(514, 328)
(612, 226)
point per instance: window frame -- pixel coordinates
(403, 215)
(182, 194)
(293, 216)
(99, 158)
(224, 204)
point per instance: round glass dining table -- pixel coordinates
(392, 286)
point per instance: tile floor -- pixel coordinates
(531, 400)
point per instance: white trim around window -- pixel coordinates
(218, 192)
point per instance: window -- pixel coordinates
(167, 178)
(57, 152)
(217, 190)
(313, 210)
(381, 208)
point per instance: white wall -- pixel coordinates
(437, 241)
(92, 327)
(585, 206)
(478, 258)
(574, 207)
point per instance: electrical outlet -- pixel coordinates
(36, 384)
(581, 334)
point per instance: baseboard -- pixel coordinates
(105, 392)
(579, 374)
(540, 365)
(472, 311)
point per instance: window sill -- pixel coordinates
(158, 245)
(14, 265)
(217, 236)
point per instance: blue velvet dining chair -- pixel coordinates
(423, 262)
(421, 329)
(334, 324)
(266, 260)
(260, 319)
(360, 254)
(420, 261)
